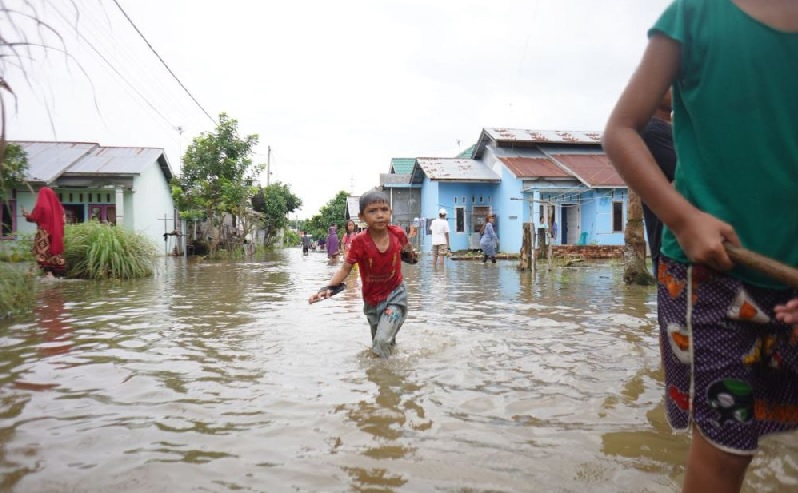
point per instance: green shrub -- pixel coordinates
(94, 250)
(16, 289)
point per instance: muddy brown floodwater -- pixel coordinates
(214, 377)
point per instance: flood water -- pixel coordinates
(215, 377)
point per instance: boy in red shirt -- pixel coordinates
(378, 252)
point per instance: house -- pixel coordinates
(526, 176)
(403, 187)
(125, 186)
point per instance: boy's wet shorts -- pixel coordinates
(730, 367)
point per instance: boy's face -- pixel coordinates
(376, 215)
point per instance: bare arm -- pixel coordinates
(700, 235)
(339, 277)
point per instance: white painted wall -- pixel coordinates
(151, 199)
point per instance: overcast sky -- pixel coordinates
(336, 88)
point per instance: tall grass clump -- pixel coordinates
(94, 250)
(16, 289)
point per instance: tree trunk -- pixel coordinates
(635, 270)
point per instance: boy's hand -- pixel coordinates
(702, 237)
(409, 256)
(788, 312)
(322, 294)
(327, 292)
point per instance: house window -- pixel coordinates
(617, 217)
(473, 199)
(8, 214)
(459, 220)
(480, 199)
(463, 197)
(455, 200)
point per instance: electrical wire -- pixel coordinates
(162, 61)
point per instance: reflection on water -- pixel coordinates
(220, 376)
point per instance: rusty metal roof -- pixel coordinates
(120, 161)
(48, 160)
(543, 136)
(458, 170)
(532, 167)
(594, 170)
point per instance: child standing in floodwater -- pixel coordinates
(731, 364)
(377, 252)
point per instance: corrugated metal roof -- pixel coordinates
(450, 169)
(118, 161)
(543, 136)
(402, 165)
(395, 179)
(353, 206)
(48, 160)
(595, 170)
(528, 167)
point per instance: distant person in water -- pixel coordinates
(378, 253)
(332, 243)
(349, 235)
(306, 243)
(48, 243)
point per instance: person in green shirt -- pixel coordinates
(730, 360)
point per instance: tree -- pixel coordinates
(12, 174)
(274, 203)
(332, 213)
(217, 179)
(635, 270)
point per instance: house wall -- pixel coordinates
(25, 200)
(405, 203)
(467, 196)
(511, 214)
(151, 200)
(600, 228)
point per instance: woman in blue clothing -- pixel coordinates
(488, 240)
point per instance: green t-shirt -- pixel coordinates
(735, 126)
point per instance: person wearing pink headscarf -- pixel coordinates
(48, 244)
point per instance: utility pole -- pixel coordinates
(268, 164)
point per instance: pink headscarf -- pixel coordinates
(48, 214)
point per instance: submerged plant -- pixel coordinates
(16, 289)
(94, 250)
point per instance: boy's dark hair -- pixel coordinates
(373, 197)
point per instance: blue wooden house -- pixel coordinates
(525, 176)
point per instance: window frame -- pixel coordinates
(459, 220)
(617, 222)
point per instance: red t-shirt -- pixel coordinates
(380, 272)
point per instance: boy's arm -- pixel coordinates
(700, 235)
(337, 279)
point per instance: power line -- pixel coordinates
(162, 61)
(117, 72)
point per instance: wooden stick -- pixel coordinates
(772, 268)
